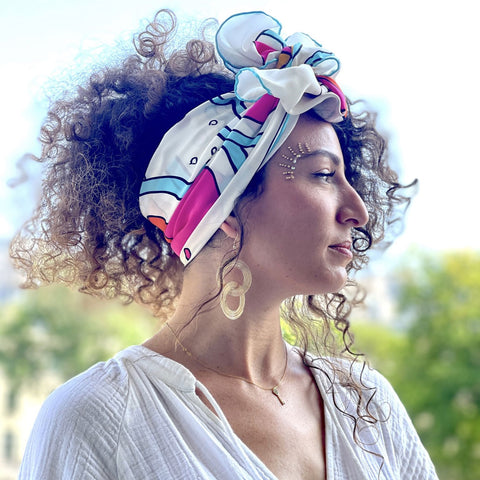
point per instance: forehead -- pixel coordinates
(315, 133)
(311, 135)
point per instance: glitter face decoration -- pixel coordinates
(292, 160)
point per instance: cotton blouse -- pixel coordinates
(138, 416)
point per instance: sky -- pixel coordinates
(415, 62)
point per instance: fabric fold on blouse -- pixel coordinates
(138, 416)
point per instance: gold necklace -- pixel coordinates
(273, 389)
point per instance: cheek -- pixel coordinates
(267, 227)
(283, 226)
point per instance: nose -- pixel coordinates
(352, 209)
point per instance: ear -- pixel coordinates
(230, 227)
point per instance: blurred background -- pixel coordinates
(416, 64)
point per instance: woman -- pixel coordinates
(265, 186)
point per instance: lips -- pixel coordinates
(343, 248)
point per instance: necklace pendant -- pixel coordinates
(275, 392)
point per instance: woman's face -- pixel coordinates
(298, 231)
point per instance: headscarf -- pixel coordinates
(206, 160)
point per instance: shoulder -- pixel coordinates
(83, 397)
(350, 378)
(361, 391)
(400, 436)
(76, 430)
(382, 425)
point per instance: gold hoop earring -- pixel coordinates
(236, 290)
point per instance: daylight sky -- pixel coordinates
(416, 62)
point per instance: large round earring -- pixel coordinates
(236, 290)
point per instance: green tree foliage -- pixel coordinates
(434, 363)
(381, 345)
(440, 371)
(55, 330)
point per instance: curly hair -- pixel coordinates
(88, 231)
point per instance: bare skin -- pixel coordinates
(289, 439)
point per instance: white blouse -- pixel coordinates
(137, 416)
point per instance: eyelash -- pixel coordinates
(325, 176)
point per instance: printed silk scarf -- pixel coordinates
(205, 161)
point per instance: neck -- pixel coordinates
(250, 347)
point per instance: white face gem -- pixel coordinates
(292, 160)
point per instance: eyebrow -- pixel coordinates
(334, 158)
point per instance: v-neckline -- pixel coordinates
(186, 380)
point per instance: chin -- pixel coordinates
(334, 284)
